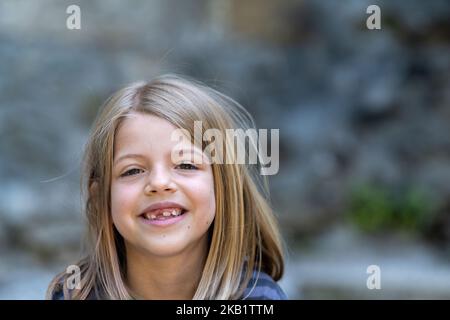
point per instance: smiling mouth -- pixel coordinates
(163, 214)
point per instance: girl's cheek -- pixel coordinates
(205, 181)
(205, 193)
(122, 195)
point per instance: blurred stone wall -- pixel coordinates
(352, 105)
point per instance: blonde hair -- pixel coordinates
(244, 235)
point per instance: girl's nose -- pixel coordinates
(160, 181)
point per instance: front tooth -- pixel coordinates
(149, 216)
(166, 213)
(175, 212)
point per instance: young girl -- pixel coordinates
(164, 229)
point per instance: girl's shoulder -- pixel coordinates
(58, 291)
(58, 294)
(262, 287)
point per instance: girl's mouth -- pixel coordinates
(164, 216)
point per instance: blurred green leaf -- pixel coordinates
(375, 208)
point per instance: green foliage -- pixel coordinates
(373, 209)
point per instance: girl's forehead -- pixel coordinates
(144, 120)
(142, 127)
(141, 133)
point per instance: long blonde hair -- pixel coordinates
(244, 235)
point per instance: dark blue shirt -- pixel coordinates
(263, 287)
(260, 287)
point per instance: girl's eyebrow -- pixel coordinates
(136, 155)
(131, 155)
(194, 151)
(191, 150)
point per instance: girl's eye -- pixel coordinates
(131, 172)
(187, 166)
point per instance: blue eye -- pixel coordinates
(187, 166)
(131, 172)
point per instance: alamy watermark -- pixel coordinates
(73, 281)
(230, 148)
(73, 21)
(373, 22)
(374, 280)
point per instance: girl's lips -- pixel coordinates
(163, 212)
(162, 205)
(166, 222)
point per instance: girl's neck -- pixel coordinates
(164, 278)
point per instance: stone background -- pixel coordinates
(363, 116)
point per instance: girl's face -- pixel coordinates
(144, 174)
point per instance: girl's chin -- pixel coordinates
(165, 250)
